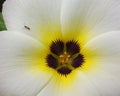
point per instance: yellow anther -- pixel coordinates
(64, 58)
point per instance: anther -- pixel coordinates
(64, 58)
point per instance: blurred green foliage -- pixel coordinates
(2, 24)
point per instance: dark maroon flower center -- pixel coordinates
(64, 57)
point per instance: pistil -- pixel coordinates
(64, 58)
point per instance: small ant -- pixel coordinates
(27, 27)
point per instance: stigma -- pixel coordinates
(64, 58)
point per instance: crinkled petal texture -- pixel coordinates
(19, 56)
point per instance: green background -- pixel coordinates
(2, 25)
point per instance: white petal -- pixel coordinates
(80, 86)
(106, 77)
(35, 17)
(90, 17)
(102, 81)
(106, 83)
(106, 44)
(17, 78)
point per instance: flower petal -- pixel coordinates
(107, 45)
(39, 18)
(85, 18)
(107, 83)
(106, 75)
(103, 79)
(81, 86)
(18, 74)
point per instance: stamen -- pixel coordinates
(57, 47)
(72, 47)
(64, 58)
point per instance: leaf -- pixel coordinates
(2, 24)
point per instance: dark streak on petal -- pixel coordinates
(57, 47)
(52, 62)
(72, 47)
(78, 61)
(64, 71)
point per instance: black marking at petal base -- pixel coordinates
(57, 47)
(52, 62)
(72, 47)
(64, 71)
(78, 61)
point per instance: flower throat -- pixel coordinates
(64, 57)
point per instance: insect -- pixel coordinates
(27, 27)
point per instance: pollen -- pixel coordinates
(65, 56)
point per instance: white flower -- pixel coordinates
(60, 48)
